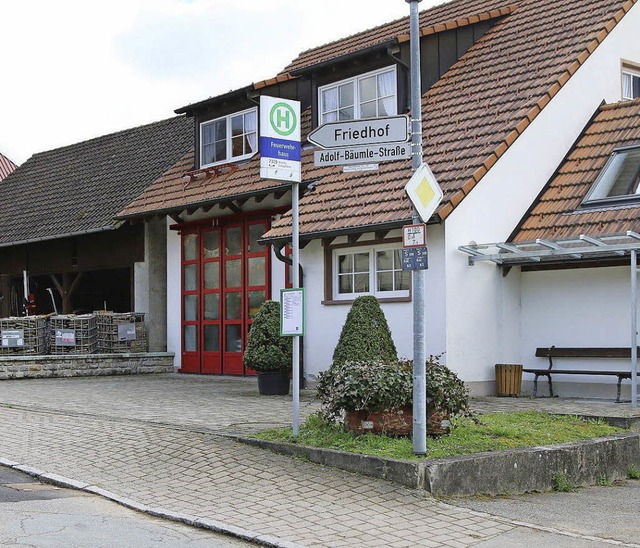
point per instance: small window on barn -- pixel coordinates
(370, 95)
(619, 180)
(630, 83)
(230, 138)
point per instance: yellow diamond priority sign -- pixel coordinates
(424, 192)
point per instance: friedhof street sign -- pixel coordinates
(369, 131)
(280, 139)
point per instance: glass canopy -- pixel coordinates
(554, 251)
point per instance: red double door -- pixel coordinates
(225, 280)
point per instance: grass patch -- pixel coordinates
(602, 480)
(633, 472)
(490, 432)
(562, 484)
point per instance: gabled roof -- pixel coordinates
(179, 187)
(437, 19)
(79, 188)
(6, 166)
(473, 114)
(557, 214)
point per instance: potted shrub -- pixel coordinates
(365, 335)
(269, 353)
(378, 397)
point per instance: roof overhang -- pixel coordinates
(543, 251)
(241, 92)
(380, 47)
(331, 234)
(26, 241)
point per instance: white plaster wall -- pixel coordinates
(580, 307)
(174, 343)
(324, 322)
(482, 307)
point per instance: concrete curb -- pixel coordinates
(514, 471)
(194, 521)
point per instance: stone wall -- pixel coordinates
(38, 367)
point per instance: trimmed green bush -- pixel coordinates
(365, 335)
(378, 386)
(266, 349)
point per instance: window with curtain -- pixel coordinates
(369, 95)
(630, 83)
(369, 271)
(230, 138)
(619, 179)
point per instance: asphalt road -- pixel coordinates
(38, 515)
(604, 513)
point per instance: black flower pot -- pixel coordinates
(273, 383)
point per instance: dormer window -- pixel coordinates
(369, 95)
(230, 138)
(619, 180)
(630, 83)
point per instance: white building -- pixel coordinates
(508, 89)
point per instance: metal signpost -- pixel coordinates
(419, 354)
(280, 152)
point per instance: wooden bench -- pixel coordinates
(558, 352)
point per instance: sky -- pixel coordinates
(72, 70)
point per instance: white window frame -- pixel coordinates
(356, 92)
(606, 180)
(373, 273)
(229, 140)
(632, 72)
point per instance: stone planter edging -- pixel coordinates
(84, 365)
(513, 471)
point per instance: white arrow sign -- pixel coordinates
(370, 131)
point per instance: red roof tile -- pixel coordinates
(470, 116)
(557, 212)
(6, 166)
(437, 19)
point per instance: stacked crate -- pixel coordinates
(85, 334)
(121, 332)
(34, 339)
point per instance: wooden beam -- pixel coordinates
(326, 242)
(57, 284)
(232, 206)
(176, 218)
(304, 243)
(353, 238)
(382, 234)
(279, 194)
(260, 198)
(74, 284)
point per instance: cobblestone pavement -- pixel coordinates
(155, 440)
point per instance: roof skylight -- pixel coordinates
(619, 179)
